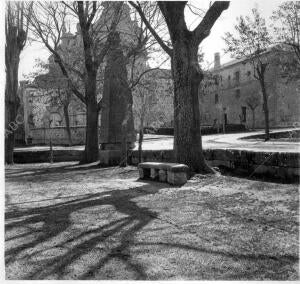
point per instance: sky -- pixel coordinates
(212, 44)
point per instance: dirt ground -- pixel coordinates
(65, 221)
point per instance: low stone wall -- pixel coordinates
(23, 157)
(284, 166)
(58, 135)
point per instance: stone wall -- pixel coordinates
(58, 135)
(284, 166)
(43, 156)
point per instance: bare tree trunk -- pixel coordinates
(265, 108)
(67, 119)
(91, 152)
(141, 137)
(12, 58)
(10, 115)
(187, 135)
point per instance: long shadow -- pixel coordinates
(35, 172)
(56, 220)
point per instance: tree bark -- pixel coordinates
(67, 119)
(141, 137)
(265, 107)
(187, 130)
(91, 152)
(12, 54)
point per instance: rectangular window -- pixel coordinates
(237, 77)
(216, 98)
(237, 94)
(229, 81)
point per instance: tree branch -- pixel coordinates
(213, 13)
(167, 49)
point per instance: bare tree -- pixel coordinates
(251, 43)
(47, 24)
(286, 28)
(253, 102)
(153, 102)
(287, 25)
(187, 75)
(16, 28)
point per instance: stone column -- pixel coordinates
(116, 113)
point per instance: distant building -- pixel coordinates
(44, 118)
(225, 100)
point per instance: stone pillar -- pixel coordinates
(116, 113)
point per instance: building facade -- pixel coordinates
(44, 113)
(227, 99)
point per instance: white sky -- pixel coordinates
(213, 43)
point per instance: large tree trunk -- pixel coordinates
(141, 138)
(187, 133)
(91, 152)
(12, 54)
(10, 116)
(67, 119)
(265, 108)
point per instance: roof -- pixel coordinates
(236, 61)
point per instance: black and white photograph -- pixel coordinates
(150, 140)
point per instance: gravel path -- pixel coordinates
(216, 141)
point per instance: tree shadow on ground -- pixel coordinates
(56, 220)
(33, 171)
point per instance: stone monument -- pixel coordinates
(117, 126)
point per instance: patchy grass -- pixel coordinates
(65, 221)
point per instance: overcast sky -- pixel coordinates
(214, 43)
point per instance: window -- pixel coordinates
(216, 79)
(237, 77)
(237, 94)
(216, 98)
(229, 82)
(244, 113)
(248, 73)
(55, 119)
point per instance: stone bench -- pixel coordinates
(176, 174)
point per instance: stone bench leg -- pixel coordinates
(144, 173)
(179, 178)
(162, 175)
(154, 174)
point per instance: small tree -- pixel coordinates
(16, 28)
(253, 102)
(251, 43)
(286, 28)
(152, 102)
(287, 25)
